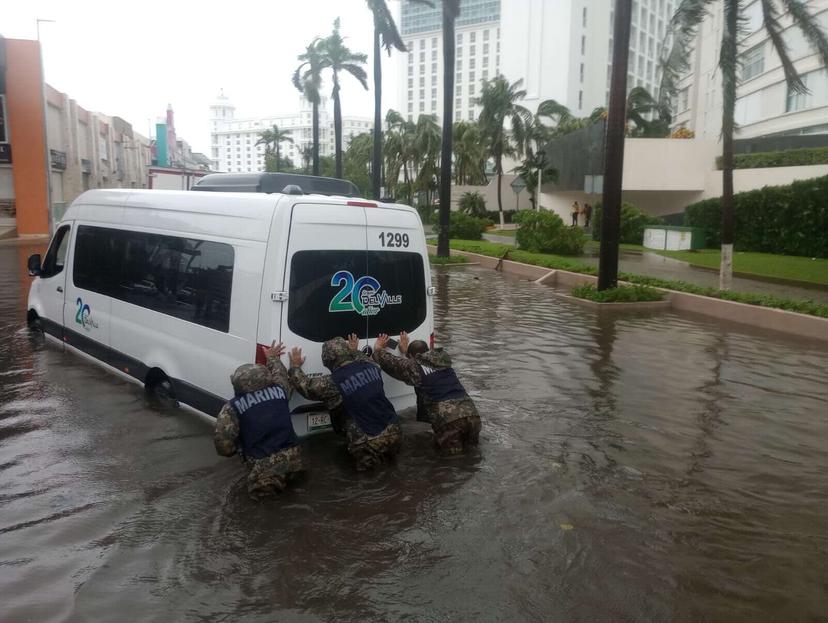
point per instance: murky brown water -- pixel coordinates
(653, 468)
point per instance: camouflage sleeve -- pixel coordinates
(278, 373)
(226, 436)
(320, 388)
(401, 368)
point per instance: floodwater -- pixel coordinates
(632, 468)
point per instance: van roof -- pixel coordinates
(275, 183)
(252, 212)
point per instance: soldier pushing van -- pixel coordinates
(256, 423)
(354, 389)
(453, 415)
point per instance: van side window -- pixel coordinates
(186, 278)
(56, 255)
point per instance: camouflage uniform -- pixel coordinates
(272, 473)
(368, 452)
(456, 422)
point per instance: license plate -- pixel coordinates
(318, 420)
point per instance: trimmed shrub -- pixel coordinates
(473, 204)
(786, 158)
(428, 214)
(633, 223)
(789, 220)
(619, 294)
(494, 216)
(544, 232)
(465, 227)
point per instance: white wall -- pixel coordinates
(668, 164)
(751, 179)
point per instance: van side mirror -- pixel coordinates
(34, 265)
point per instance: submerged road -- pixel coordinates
(652, 467)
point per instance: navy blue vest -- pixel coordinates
(363, 395)
(440, 384)
(265, 425)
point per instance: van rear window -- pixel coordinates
(333, 293)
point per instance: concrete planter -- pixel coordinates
(616, 307)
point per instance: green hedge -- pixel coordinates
(619, 294)
(633, 223)
(465, 227)
(545, 232)
(494, 216)
(786, 158)
(789, 220)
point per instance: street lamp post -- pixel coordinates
(614, 149)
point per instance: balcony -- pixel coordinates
(57, 159)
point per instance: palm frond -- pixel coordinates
(357, 72)
(677, 44)
(770, 18)
(385, 25)
(809, 26)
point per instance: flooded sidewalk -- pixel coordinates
(646, 467)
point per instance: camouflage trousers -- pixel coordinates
(271, 475)
(369, 452)
(456, 436)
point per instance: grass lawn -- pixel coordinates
(760, 264)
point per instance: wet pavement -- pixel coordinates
(658, 266)
(656, 467)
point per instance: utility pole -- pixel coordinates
(614, 148)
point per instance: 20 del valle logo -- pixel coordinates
(82, 315)
(362, 296)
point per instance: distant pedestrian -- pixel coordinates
(576, 209)
(256, 423)
(446, 405)
(587, 215)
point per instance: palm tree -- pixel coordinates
(469, 154)
(399, 151)
(499, 100)
(640, 104)
(308, 80)
(272, 139)
(386, 35)
(338, 58)
(306, 152)
(684, 25)
(427, 144)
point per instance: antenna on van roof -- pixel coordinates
(292, 189)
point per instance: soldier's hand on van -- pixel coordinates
(353, 341)
(403, 342)
(275, 350)
(382, 340)
(296, 358)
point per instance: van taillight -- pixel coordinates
(431, 340)
(362, 204)
(261, 354)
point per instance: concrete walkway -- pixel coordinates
(658, 266)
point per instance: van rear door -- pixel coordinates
(397, 259)
(325, 261)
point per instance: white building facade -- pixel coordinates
(764, 106)
(561, 49)
(233, 147)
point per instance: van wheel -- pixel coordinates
(34, 322)
(159, 391)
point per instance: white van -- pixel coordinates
(175, 289)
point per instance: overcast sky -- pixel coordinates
(129, 58)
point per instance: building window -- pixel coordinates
(459, 38)
(485, 74)
(411, 70)
(580, 100)
(434, 42)
(584, 18)
(471, 76)
(434, 80)
(433, 68)
(485, 35)
(458, 103)
(583, 44)
(457, 115)
(411, 58)
(472, 36)
(422, 43)
(433, 106)
(411, 83)
(459, 65)
(434, 55)
(485, 61)
(459, 52)
(471, 114)
(753, 62)
(411, 95)
(472, 50)
(422, 69)
(485, 48)
(422, 82)
(471, 63)
(458, 78)
(458, 89)
(471, 89)
(582, 72)
(797, 101)
(422, 106)
(422, 57)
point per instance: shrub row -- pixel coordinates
(544, 232)
(790, 220)
(633, 223)
(465, 227)
(620, 294)
(785, 158)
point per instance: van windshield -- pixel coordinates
(334, 293)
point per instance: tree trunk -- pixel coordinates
(316, 138)
(278, 156)
(728, 55)
(376, 162)
(614, 149)
(499, 171)
(448, 127)
(337, 128)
